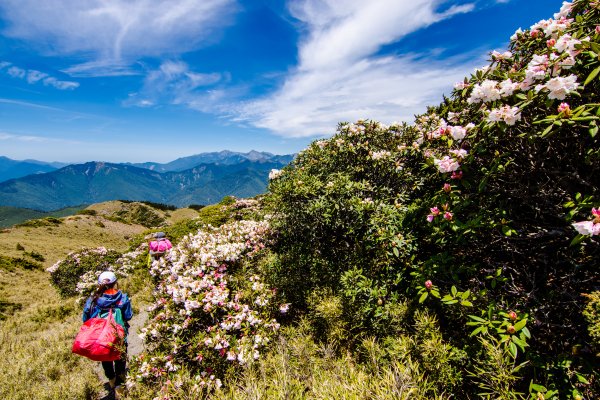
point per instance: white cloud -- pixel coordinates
(174, 83)
(33, 76)
(112, 34)
(341, 78)
(16, 72)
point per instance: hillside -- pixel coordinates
(96, 182)
(13, 215)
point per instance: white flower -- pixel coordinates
(458, 132)
(565, 10)
(501, 56)
(484, 92)
(275, 173)
(508, 114)
(516, 35)
(507, 87)
(588, 228)
(560, 87)
(446, 164)
(461, 153)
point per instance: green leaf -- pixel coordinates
(466, 303)
(593, 131)
(512, 348)
(476, 318)
(577, 239)
(396, 252)
(537, 388)
(582, 379)
(525, 331)
(546, 131)
(423, 297)
(520, 325)
(591, 76)
(476, 331)
(453, 290)
(522, 344)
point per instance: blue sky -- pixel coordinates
(154, 80)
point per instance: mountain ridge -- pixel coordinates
(94, 182)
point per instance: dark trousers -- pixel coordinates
(116, 369)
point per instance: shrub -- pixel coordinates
(211, 314)
(66, 274)
(10, 264)
(469, 214)
(87, 212)
(36, 223)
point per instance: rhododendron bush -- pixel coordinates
(212, 313)
(485, 211)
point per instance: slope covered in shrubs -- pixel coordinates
(481, 214)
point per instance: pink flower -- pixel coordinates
(457, 175)
(434, 210)
(448, 216)
(597, 29)
(430, 218)
(428, 284)
(563, 107)
(447, 188)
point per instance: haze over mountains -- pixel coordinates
(199, 179)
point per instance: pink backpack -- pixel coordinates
(159, 246)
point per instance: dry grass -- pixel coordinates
(35, 343)
(56, 241)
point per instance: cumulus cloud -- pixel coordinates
(33, 76)
(112, 34)
(340, 77)
(174, 83)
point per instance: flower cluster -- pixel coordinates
(444, 213)
(206, 319)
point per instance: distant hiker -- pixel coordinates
(108, 297)
(158, 246)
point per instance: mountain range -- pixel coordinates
(200, 179)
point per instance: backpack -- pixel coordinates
(159, 246)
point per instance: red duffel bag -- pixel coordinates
(99, 339)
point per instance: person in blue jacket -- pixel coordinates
(109, 296)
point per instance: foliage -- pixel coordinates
(66, 274)
(592, 315)
(139, 214)
(468, 214)
(35, 223)
(211, 315)
(9, 264)
(158, 206)
(87, 211)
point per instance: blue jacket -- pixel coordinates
(106, 301)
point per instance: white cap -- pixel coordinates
(107, 277)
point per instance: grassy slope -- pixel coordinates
(39, 334)
(75, 232)
(11, 215)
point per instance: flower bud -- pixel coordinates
(428, 284)
(447, 188)
(511, 329)
(512, 315)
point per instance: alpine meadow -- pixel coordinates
(454, 257)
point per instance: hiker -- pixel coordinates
(107, 297)
(158, 246)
